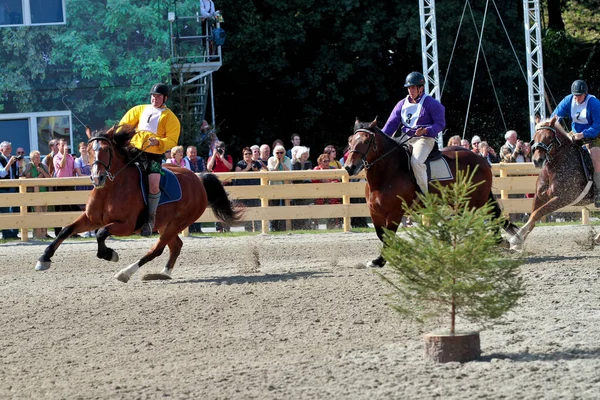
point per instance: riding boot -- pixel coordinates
(597, 189)
(148, 227)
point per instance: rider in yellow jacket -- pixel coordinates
(157, 130)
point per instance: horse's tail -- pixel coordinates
(508, 226)
(225, 209)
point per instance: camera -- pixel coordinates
(19, 157)
(220, 151)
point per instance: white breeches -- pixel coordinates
(422, 146)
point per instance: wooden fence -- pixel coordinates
(517, 178)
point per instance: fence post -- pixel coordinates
(585, 216)
(24, 231)
(346, 201)
(264, 203)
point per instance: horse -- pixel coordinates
(390, 182)
(562, 180)
(116, 204)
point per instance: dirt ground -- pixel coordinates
(281, 317)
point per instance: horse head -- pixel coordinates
(548, 139)
(361, 143)
(109, 150)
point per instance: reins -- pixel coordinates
(109, 175)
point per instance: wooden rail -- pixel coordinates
(508, 179)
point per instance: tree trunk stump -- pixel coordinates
(445, 347)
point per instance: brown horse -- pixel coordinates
(117, 207)
(562, 181)
(389, 180)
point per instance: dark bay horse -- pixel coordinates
(389, 182)
(562, 181)
(117, 207)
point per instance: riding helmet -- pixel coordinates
(414, 79)
(160, 88)
(579, 87)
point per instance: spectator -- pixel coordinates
(584, 112)
(265, 153)
(247, 164)
(295, 139)
(64, 167)
(83, 168)
(475, 144)
(196, 163)
(324, 163)
(207, 10)
(256, 153)
(36, 169)
(219, 161)
(512, 150)
(302, 162)
(278, 162)
(526, 151)
(454, 141)
(53, 146)
(8, 170)
(208, 136)
(332, 153)
(465, 143)
(21, 160)
(278, 142)
(488, 153)
(177, 158)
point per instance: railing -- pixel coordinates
(509, 179)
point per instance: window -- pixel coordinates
(33, 131)
(31, 12)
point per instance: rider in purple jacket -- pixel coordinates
(420, 117)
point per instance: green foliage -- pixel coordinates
(450, 264)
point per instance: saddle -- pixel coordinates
(437, 166)
(170, 188)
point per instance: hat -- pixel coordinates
(476, 139)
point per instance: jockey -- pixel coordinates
(584, 111)
(157, 130)
(421, 118)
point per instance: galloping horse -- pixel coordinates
(562, 181)
(117, 207)
(389, 181)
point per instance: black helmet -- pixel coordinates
(160, 88)
(579, 87)
(414, 79)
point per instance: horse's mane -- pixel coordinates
(120, 136)
(367, 125)
(560, 131)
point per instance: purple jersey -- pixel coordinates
(427, 112)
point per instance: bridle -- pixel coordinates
(372, 143)
(547, 148)
(97, 160)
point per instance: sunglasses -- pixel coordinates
(20, 152)
(247, 154)
(279, 152)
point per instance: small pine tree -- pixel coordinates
(450, 264)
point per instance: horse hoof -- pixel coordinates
(376, 264)
(114, 257)
(597, 239)
(42, 265)
(122, 277)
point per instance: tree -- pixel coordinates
(450, 264)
